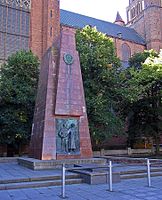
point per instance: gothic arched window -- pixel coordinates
(138, 8)
(133, 12)
(126, 52)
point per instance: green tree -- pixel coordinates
(145, 118)
(18, 85)
(138, 59)
(100, 70)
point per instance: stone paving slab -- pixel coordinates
(13, 170)
(135, 189)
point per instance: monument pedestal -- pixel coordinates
(60, 128)
(36, 164)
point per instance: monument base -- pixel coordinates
(36, 164)
(94, 174)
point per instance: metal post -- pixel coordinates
(148, 173)
(63, 182)
(110, 175)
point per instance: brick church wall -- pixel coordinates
(139, 26)
(148, 23)
(135, 48)
(44, 25)
(153, 27)
(36, 20)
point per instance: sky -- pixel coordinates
(100, 9)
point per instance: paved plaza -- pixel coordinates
(132, 189)
(126, 190)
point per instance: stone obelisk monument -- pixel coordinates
(60, 126)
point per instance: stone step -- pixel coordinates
(35, 184)
(36, 164)
(41, 178)
(8, 159)
(140, 171)
(139, 175)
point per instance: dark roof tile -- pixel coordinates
(80, 21)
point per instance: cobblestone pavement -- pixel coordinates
(135, 189)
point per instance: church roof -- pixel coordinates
(80, 21)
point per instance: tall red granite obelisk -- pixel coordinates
(60, 127)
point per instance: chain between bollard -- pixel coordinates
(148, 173)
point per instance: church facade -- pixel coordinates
(37, 24)
(145, 16)
(14, 27)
